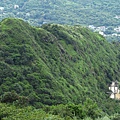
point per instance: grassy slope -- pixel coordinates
(55, 63)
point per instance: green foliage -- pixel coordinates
(57, 64)
(9, 97)
(88, 109)
(59, 112)
(116, 117)
(86, 12)
(98, 13)
(13, 97)
(10, 112)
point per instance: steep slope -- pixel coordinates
(56, 63)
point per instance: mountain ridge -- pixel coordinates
(55, 63)
(102, 16)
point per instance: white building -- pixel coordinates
(16, 6)
(1, 8)
(115, 90)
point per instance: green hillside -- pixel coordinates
(56, 64)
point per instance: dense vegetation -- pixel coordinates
(59, 112)
(97, 12)
(56, 64)
(73, 12)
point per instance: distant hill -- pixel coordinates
(99, 13)
(87, 12)
(55, 63)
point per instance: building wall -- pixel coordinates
(117, 96)
(112, 96)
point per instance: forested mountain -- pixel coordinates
(104, 15)
(56, 64)
(97, 12)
